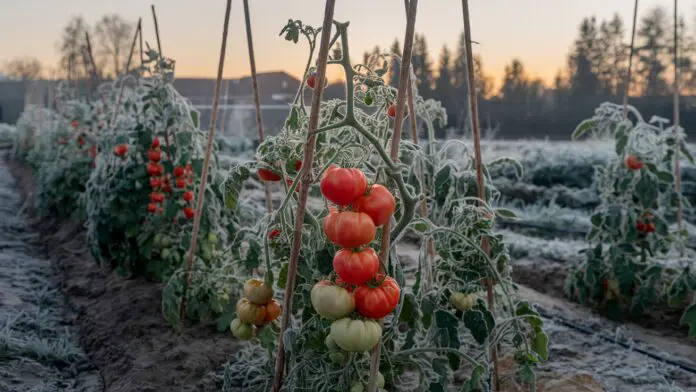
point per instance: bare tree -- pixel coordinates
(113, 41)
(23, 68)
(71, 47)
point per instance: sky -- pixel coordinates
(538, 32)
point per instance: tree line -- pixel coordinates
(105, 55)
(596, 69)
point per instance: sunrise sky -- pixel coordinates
(539, 32)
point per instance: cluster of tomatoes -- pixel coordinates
(256, 309)
(359, 286)
(633, 163)
(645, 224)
(161, 183)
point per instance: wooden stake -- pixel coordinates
(257, 101)
(627, 87)
(117, 109)
(401, 96)
(206, 162)
(306, 181)
(159, 43)
(481, 192)
(677, 163)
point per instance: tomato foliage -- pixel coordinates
(424, 339)
(633, 244)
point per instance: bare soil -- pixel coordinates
(119, 322)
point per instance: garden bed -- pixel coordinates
(119, 321)
(125, 336)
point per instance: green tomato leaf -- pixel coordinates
(689, 319)
(582, 128)
(505, 213)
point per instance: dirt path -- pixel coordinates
(38, 347)
(120, 325)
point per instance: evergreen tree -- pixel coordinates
(652, 53)
(583, 62)
(613, 63)
(394, 69)
(422, 66)
(515, 82)
(444, 90)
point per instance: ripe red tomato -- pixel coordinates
(155, 142)
(289, 182)
(356, 267)
(121, 150)
(378, 203)
(157, 197)
(188, 196)
(391, 111)
(93, 151)
(154, 155)
(649, 227)
(633, 163)
(179, 171)
(343, 186)
(267, 175)
(640, 227)
(152, 208)
(155, 182)
(81, 140)
(312, 81)
(298, 165)
(154, 169)
(189, 212)
(167, 188)
(273, 310)
(379, 301)
(273, 234)
(75, 123)
(181, 182)
(349, 229)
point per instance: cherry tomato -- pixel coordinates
(289, 182)
(298, 165)
(349, 229)
(121, 150)
(188, 196)
(273, 234)
(81, 140)
(378, 203)
(154, 155)
(391, 111)
(633, 163)
(267, 175)
(181, 182)
(179, 171)
(152, 208)
(343, 186)
(75, 123)
(356, 267)
(649, 227)
(312, 81)
(155, 182)
(154, 169)
(93, 151)
(156, 197)
(377, 302)
(155, 142)
(189, 212)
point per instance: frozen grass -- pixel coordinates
(38, 351)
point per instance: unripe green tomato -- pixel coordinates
(357, 387)
(330, 344)
(166, 242)
(241, 330)
(338, 357)
(463, 302)
(212, 238)
(157, 240)
(166, 254)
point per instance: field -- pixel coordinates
(340, 254)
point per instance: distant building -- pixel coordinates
(236, 112)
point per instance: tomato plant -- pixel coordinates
(340, 296)
(626, 271)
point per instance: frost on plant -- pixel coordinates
(442, 323)
(631, 226)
